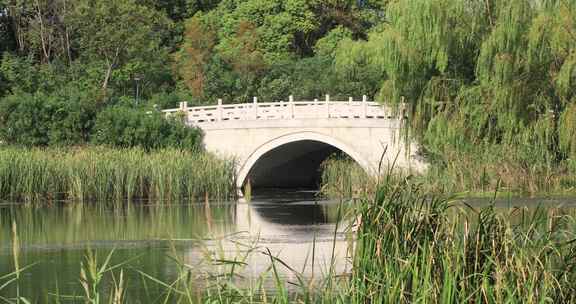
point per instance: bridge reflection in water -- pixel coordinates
(302, 233)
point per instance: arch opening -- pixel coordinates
(295, 164)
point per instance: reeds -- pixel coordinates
(513, 169)
(104, 174)
(342, 177)
(412, 247)
(415, 248)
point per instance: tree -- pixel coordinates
(121, 34)
(7, 42)
(195, 52)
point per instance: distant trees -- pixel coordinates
(473, 71)
(64, 62)
(247, 48)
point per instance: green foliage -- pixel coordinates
(494, 75)
(272, 49)
(412, 247)
(39, 119)
(327, 45)
(124, 36)
(343, 178)
(112, 175)
(126, 127)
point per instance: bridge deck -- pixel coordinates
(284, 110)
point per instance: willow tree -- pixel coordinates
(552, 46)
(478, 72)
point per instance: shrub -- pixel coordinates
(122, 126)
(40, 120)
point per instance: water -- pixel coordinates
(292, 227)
(302, 232)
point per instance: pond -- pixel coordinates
(149, 242)
(305, 237)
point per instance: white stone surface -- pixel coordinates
(366, 131)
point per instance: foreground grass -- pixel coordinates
(410, 247)
(413, 248)
(104, 174)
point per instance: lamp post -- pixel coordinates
(137, 79)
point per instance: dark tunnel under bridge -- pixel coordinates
(292, 165)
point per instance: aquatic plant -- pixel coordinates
(105, 174)
(343, 178)
(412, 247)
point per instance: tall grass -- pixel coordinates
(104, 174)
(411, 247)
(342, 177)
(13, 278)
(480, 169)
(416, 248)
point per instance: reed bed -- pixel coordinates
(105, 174)
(342, 177)
(415, 248)
(410, 247)
(483, 168)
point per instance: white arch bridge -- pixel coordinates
(282, 144)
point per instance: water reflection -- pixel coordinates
(294, 228)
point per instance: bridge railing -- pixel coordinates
(285, 110)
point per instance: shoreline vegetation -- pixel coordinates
(113, 175)
(97, 173)
(410, 246)
(464, 177)
(489, 89)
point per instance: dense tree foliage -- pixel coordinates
(64, 63)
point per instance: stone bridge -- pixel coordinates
(282, 144)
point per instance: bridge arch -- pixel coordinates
(308, 139)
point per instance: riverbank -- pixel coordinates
(104, 175)
(465, 175)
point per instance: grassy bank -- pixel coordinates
(104, 174)
(471, 174)
(521, 168)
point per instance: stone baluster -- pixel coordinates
(327, 106)
(291, 106)
(219, 110)
(255, 108)
(364, 106)
(184, 109)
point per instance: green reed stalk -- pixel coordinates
(413, 247)
(342, 177)
(115, 175)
